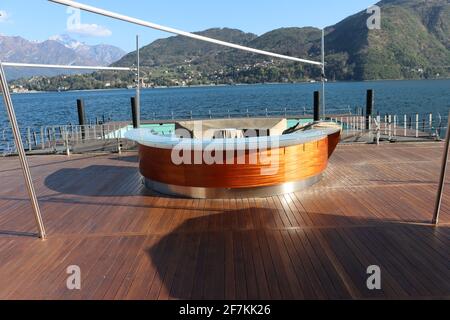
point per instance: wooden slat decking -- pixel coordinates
(372, 207)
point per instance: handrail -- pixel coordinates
(58, 138)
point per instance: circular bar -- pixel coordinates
(234, 167)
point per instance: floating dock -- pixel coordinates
(373, 206)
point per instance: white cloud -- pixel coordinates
(90, 30)
(4, 16)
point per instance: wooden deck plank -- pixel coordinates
(373, 206)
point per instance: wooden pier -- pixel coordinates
(373, 207)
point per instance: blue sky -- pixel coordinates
(40, 19)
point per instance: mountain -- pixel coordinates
(179, 50)
(413, 43)
(56, 50)
(101, 54)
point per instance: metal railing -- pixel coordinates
(109, 136)
(392, 127)
(54, 139)
(235, 113)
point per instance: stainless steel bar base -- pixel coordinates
(233, 193)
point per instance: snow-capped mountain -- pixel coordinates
(67, 41)
(61, 49)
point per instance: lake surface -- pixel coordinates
(395, 97)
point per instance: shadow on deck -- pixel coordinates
(229, 261)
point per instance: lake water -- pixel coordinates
(395, 97)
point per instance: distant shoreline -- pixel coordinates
(226, 85)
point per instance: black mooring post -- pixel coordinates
(316, 106)
(369, 107)
(81, 117)
(134, 113)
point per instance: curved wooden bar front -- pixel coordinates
(275, 171)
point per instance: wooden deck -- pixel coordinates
(372, 208)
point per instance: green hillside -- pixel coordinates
(413, 43)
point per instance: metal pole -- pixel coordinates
(66, 138)
(369, 107)
(417, 125)
(437, 208)
(138, 85)
(316, 106)
(22, 156)
(431, 123)
(323, 73)
(29, 138)
(405, 124)
(81, 117)
(134, 113)
(395, 125)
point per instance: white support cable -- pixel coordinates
(151, 25)
(56, 66)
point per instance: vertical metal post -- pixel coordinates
(54, 138)
(395, 125)
(29, 138)
(134, 112)
(323, 74)
(138, 84)
(81, 117)
(390, 126)
(437, 208)
(439, 127)
(431, 123)
(405, 123)
(42, 138)
(20, 150)
(34, 139)
(378, 124)
(369, 107)
(385, 124)
(66, 139)
(316, 106)
(417, 125)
